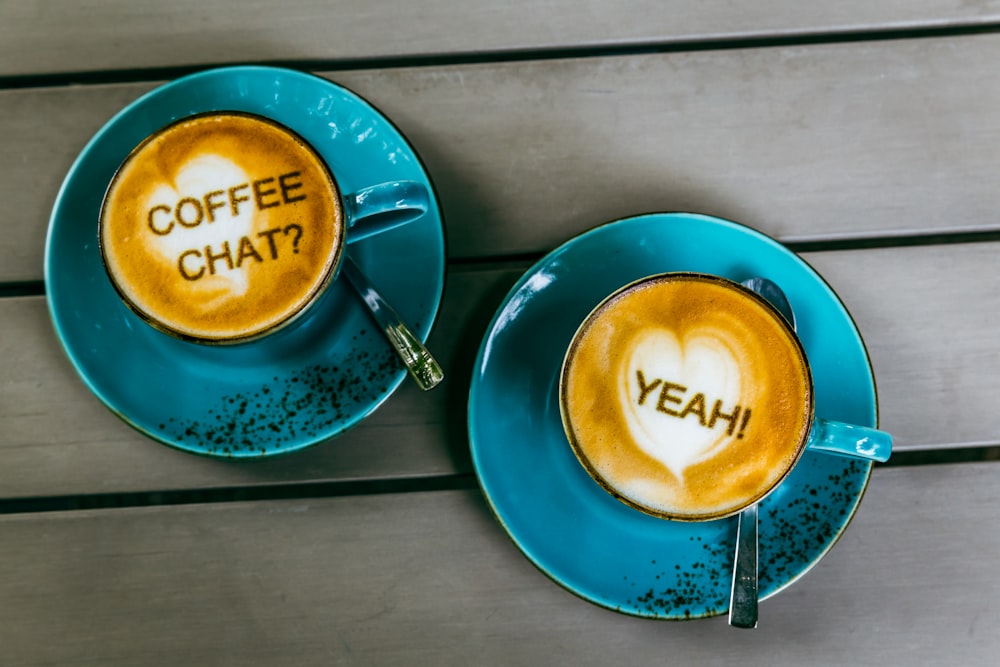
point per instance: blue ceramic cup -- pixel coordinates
(226, 226)
(689, 396)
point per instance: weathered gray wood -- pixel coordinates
(43, 131)
(810, 142)
(70, 36)
(430, 578)
(929, 316)
(58, 439)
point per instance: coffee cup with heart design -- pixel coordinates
(223, 227)
(690, 397)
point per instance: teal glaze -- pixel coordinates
(561, 519)
(380, 208)
(299, 386)
(849, 440)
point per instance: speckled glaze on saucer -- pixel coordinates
(297, 387)
(575, 532)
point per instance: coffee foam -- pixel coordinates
(686, 396)
(221, 226)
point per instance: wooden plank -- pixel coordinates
(929, 316)
(43, 132)
(431, 578)
(58, 439)
(808, 142)
(72, 37)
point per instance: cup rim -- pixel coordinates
(292, 315)
(728, 283)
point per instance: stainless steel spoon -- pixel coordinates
(417, 359)
(743, 598)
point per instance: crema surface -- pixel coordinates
(686, 396)
(221, 227)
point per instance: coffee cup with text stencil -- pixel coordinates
(690, 397)
(225, 226)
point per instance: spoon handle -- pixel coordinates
(743, 599)
(417, 359)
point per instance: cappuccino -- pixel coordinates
(686, 396)
(221, 227)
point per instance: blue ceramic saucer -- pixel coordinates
(569, 527)
(297, 387)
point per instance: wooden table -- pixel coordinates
(864, 135)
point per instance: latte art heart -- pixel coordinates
(216, 230)
(686, 396)
(682, 396)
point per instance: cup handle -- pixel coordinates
(859, 442)
(385, 206)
